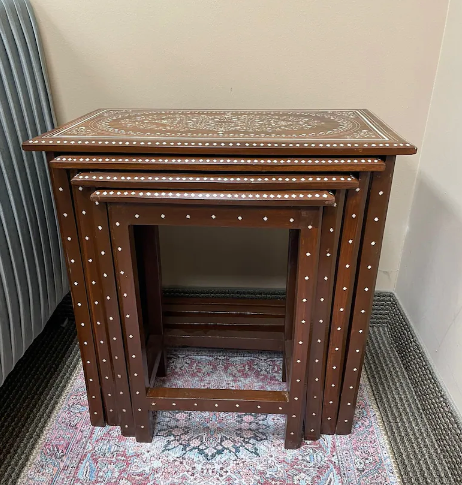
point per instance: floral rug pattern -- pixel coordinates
(199, 448)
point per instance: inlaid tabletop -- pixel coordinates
(272, 132)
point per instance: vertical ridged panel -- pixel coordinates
(33, 276)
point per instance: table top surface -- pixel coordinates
(245, 132)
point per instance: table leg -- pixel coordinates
(71, 247)
(291, 284)
(308, 254)
(96, 297)
(368, 268)
(113, 325)
(344, 290)
(124, 251)
(330, 233)
(150, 275)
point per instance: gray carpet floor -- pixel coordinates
(414, 446)
(424, 431)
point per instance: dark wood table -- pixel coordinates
(252, 157)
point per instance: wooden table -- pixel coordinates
(349, 153)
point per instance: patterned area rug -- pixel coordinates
(208, 448)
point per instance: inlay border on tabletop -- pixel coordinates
(200, 181)
(218, 164)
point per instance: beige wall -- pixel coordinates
(260, 54)
(430, 278)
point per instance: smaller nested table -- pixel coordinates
(297, 210)
(217, 167)
(236, 208)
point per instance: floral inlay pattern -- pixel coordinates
(313, 124)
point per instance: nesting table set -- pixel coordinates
(323, 175)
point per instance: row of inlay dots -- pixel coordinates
(214, 160)
(225, 179)
(207, 195)
(222, 144)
